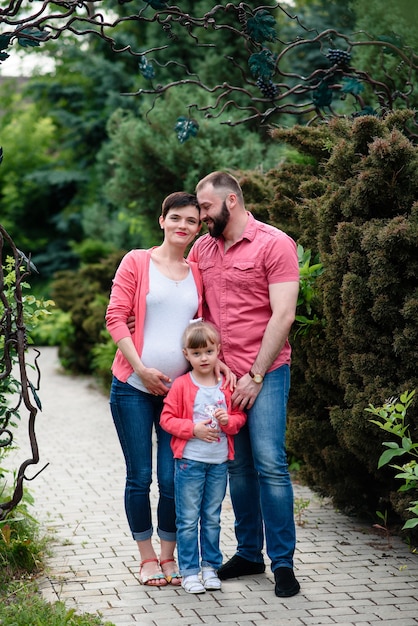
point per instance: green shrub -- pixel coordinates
(21, 548)
(359, 212)
(392, 419)
(54, 330)
(102, 357)
(83, 295)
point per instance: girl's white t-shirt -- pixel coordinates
(207, 400)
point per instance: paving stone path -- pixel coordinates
(349, 575)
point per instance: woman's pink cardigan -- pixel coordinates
(128, 297)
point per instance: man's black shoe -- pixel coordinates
(238, 566)
(286, 583)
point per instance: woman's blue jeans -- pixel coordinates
(260, 486)
(135, 414)
(200, 489)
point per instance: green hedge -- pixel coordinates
(359, 211)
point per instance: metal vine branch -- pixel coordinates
(16, 390)
(267, 88)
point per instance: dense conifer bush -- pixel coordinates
(359, 211)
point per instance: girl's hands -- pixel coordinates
(202, 431)
(206, 432)
(222, 416)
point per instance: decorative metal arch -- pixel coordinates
(266, 89)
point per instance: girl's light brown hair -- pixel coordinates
(199, 334)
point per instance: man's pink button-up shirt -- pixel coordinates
(236, 288)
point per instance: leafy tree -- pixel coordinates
(80, 96)
(147, 161)
(394, 23)
(50, 147)
(34, 180)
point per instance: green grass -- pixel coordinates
(23, 605)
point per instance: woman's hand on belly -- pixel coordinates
(154, 380)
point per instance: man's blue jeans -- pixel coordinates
(135, 414)
(200, 489)
(260, 485)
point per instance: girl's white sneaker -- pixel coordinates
(192, 584)
(210, 579)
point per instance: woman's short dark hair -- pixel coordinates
(177, 200)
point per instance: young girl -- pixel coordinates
(198, 413)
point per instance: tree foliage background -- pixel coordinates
(78, 170)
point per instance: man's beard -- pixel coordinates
(218, 223)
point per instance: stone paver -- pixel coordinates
(349, 575)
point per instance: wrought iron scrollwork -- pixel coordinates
(269, 85)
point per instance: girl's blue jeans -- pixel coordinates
(200, 489)
(260, 486)
(135, 414)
